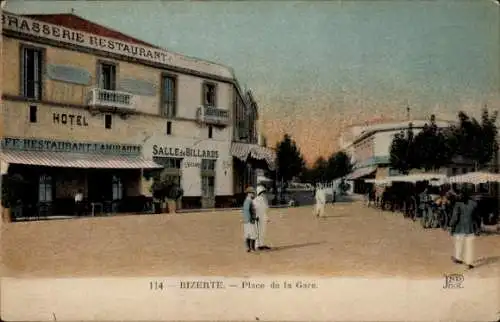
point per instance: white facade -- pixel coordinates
(366, 144)
(192, 152)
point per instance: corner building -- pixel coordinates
(89, 108)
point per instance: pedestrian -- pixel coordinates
(79, 202)
(261, 206)
(249, 220)
(462, 229)
(320, 196)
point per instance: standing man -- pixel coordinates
(462, 229)
(249, 220)
(320, 196)
(79, 202)
(261, 205)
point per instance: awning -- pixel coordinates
(475, 178)
(76, 160)
(359, 173)
(243, 151)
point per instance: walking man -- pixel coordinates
(261, 206)
(320, 196)
(249, 220)
(462, 229)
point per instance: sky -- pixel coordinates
(317, 67)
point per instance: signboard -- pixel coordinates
(41, 29)
(68, 146)
(165, 151)
(69, 119)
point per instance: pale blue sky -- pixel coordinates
(312, 58)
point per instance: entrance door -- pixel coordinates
(208, 191)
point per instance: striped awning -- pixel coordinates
(360, 173)
(76, 160)
(243, 151)
(475, 178)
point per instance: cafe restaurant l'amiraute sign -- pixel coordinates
(67, 146)
(166, 151)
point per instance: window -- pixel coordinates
(207, 165)
(169, 128)
(208, 186)
(107, 121)
(210, 131)
(169, 163)
(32, 73)
(45, 188)
(169, 97)
(209, 94)
(117, 188)
(33, 110)
(107, 76)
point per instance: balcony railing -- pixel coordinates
(213, 115)
(99, 97)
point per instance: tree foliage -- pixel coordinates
(401, 155)
(164, 187)
(289, 159)
(336, 166)
(435, 147)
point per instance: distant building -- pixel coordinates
(369, 147)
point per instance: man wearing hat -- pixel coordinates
(249, 219)
(260, 204)
(462, 229)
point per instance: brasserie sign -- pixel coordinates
(67, 146)
(70, 36)
(166, 151)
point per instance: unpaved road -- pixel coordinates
(352, 241)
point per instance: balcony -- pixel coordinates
(103, 98)
(213, 115)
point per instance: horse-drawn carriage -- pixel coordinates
(430, 198)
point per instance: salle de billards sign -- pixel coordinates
(165, 151)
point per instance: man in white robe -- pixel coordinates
(261, 206)
(320, 196)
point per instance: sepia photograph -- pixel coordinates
(250, 160)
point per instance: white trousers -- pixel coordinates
(261, 233)
(319, 210)
(249, 231)
(464, 248)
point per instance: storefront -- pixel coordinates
(246, 159)
(201, 167)
(52, 172)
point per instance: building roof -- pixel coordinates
(70, 20)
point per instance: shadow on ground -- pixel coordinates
(487, 261)
(285, 247)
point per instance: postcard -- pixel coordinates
(250, 161)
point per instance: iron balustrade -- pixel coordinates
(104, 97)
(213, 115)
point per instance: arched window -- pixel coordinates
(117, 188)
(45, 188)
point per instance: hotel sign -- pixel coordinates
(67, 146)
(74, 37)
(165, 151)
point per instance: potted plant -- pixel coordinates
(12, 188)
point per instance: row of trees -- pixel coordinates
(290, 164)
(434, 147)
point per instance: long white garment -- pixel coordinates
(464, 248)
(261, 206)
(320, 196)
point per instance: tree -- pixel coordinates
(163, 188)
(289, 160)
(431, 148)
(402, 156)
(476, 141)
(338, 165)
